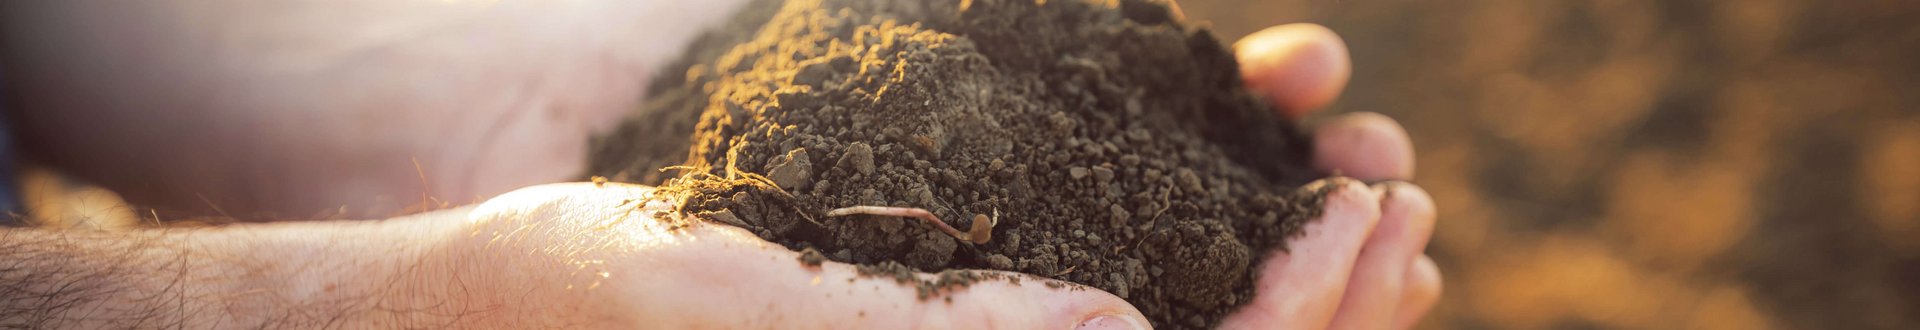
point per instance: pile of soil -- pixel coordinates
(1115, 145)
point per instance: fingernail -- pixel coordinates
(1113, 322)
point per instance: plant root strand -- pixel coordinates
(981, 233)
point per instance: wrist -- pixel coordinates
(300, 274)
(354, 273)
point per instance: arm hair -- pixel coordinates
(72, 279)
(297, 275)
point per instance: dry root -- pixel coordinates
(982, 225)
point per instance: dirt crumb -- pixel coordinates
(811, 257)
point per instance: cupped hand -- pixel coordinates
(287, 110)
(1361, 265)
(603, 253)
(577, 255)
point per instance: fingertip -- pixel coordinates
(1411, 203)
(1405, 194)
(1299, 67)
(1365, 145)
(1351, 200)
(1422, 291)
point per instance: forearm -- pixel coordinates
(294, 107)
(292, 274)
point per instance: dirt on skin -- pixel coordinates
(1114, 144)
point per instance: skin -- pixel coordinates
(264, 112)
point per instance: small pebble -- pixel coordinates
(1102, 174)
(999, 262)
(1189, 181)
(791, 171)
(1120, 214)
(858, 158)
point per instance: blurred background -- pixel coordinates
(1743, 164)
(1747, 164)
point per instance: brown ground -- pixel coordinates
(1649, 164)
(1116, 147)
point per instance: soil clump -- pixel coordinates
(1112, 145)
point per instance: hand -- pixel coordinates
(290, 109)
(586, 255)
(178, 94)
(1360, 266)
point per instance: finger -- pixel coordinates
(1422, 291)
(1363, 145)
(1300, 288)
(1299, 67)
(1379, 277)
(1174, 8)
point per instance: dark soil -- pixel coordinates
(1115, 144)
